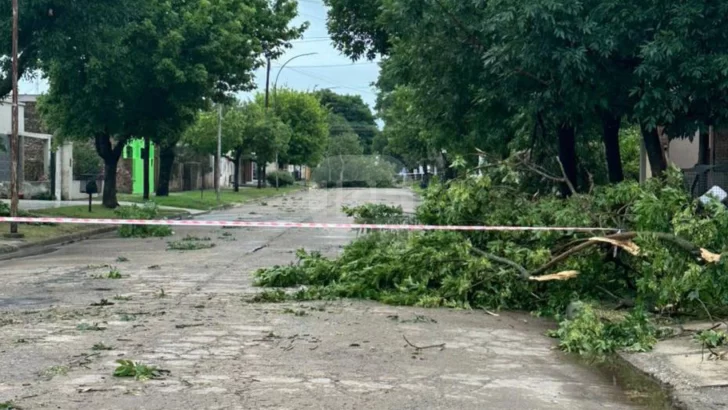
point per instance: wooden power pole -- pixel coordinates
(14, 136)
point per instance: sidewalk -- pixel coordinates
(44, 235)
(680, 365)
(31, 205)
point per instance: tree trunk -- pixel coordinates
(610, 134)
(110, 154)
(109, 197)
(145, 157)
(567, 156)
(655, 152)
(166, 161)
(215, 179)
(265, 174)
(260, 175)
(236, 177)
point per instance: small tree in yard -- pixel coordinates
(303, 113)
(193, 53)
(268, 136)
(237, 126)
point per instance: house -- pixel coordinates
(703, 158)
(34, 150)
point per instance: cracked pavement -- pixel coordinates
(187, 312)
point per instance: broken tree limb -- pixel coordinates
(561, 276)
(626, 245)
(441, 345)
(566, 177)
(683, 244)
(523, 271)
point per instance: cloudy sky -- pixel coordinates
(326, 69)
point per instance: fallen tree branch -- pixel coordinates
(683, 244)
(566, 177)
(441, 345)
(523, 271)
(566, 275)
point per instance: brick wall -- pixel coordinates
(33, 165)
(123, 176)
(33, 122)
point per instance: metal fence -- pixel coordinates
(700, 179)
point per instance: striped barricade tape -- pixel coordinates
(301, 225)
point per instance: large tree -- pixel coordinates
(356, 112)
(194, 53)
(239, 123)
(47, 28)
(303, 113)
(269, 135)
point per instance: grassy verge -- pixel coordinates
(207, 199)
(97, 212)
(37, 233)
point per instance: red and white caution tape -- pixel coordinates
(301, 225)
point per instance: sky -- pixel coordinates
(326, 69)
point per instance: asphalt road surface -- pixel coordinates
(187, 313)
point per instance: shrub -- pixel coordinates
(147, 211)
(284, 178)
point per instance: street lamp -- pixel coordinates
(275, 87)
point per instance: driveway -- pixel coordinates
(188, 313)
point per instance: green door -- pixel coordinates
(134, 152)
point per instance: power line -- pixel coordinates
(330, 82)
(331, 65)
(313, 17)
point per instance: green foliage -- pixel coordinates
(147, 211)
(189, 245)
(453, 269)
(356, 117)
(303, 113)
(269, 135)
(376, 214)
(114, 273)
(137, 370)
(589, 335)
(711, 339)
(280, 178)
(355, 27)
(355, 171)
(9, 405)
(99, 87)
(85, 160)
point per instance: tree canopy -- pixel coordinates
(356, 112)
(550, 76)
(303, 113)
(194, 53)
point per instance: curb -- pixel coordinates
(681, 393)
(13, 251)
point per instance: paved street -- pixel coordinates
(187, 312)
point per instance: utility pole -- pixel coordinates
(267, 84)
(219, 151)
(14, 136)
